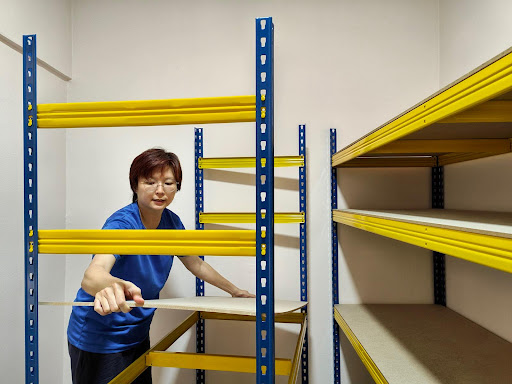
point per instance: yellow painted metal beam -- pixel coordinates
(391, 161)
(147, 104)
(452, 158)
(211, 362)
(147, 112)
(139, 365)
(405, 147)
(493, 111)
(374, 371)
(491, 251)
(298, 352)
(294, 317)
(154, 242)
(130, 121)
(248, 162)
(228, 217)
(490, 81)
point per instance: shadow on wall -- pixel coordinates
(241, 178)
(240, 342)
(351, 366)
(279, 240)
(370, 263)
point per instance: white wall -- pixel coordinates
(333, 60)
(390, 62)
(52, 26)
(473, 32)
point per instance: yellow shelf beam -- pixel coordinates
(374, 371)
(396, 161)
(292, 317)
(154, 242)
(489, 82)
(298, 352)
(491, 251)
(228, 217)
(248, 162)
(494, 111)
(157, 357)
(139, 365)
(404, 147)
(212, 362)
(147, 112)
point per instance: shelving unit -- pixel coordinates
(203, 218)
(255, 108)
(469, 119)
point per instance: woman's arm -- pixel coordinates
(204, 271)
(110, 293)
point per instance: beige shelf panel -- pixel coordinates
(230, 305)
(468, 119)
(480, 237)
(497, 224)
(424, 344)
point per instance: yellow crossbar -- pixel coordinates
(491, 251)
(147, 112)
(155, 242)
(147, 104)
(228, 217)
(248, 162)
(139, 365)
(212, 362)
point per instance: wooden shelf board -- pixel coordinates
(497, 224)
(480, 237)
(424, 344)
(470, 108)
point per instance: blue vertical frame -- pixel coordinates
(334, 248)
(199, 179)
(265, 329)
(30, 208)
(438, 258)
(303, 246)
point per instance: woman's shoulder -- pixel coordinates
(124, 218)
(172, 220)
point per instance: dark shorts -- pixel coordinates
(100, 368)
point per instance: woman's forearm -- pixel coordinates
(205, 272)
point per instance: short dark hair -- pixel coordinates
(148, 162)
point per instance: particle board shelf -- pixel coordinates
(469, 119)
(424, 344)
(480, 237)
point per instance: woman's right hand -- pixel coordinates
(113, 298)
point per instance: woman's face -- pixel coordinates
(157, 192)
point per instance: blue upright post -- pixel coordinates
(334, 245)
(30, 208)
(438, 258)
(200, 326)
(265, 331)
(303, 246)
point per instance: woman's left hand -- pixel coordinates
(242, 293)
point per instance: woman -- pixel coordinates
(107, 338)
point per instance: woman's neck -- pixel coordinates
(150, 219)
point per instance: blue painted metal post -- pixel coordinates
(200, 326)
(438, 258)
(303, 246)
(265, 329)
(334, 245)
(30, 208)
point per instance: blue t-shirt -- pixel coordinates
(116, 332)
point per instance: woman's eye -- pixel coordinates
(150, 182)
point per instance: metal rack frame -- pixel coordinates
(201, 218)
(57, 118)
